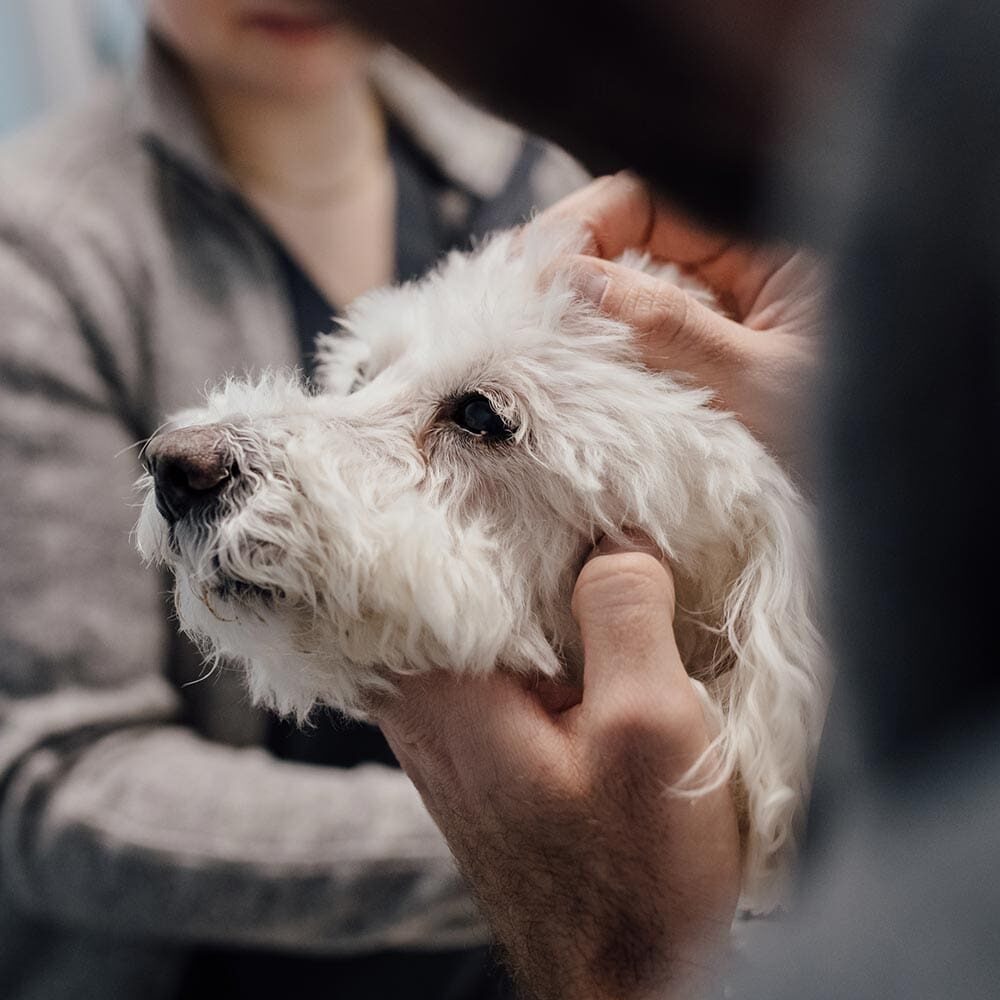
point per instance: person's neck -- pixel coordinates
(308, 152)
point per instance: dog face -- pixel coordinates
(431, 505)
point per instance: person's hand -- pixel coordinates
(758, 358)
(597, 880)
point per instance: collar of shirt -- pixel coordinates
(472, 149)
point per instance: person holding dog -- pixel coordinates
(158, 838)
(884, 154)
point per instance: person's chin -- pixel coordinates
(306, 67)
(316, 74)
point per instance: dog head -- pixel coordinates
(430, 502)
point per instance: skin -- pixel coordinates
(282, 86)
(227, 44)
(760, 358)
(534, 786)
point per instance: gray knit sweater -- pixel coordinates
(137, 816)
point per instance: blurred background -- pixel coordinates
(52, 50)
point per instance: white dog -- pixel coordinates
(431, 505)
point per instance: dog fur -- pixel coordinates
(368, 535)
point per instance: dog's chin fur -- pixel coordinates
(368, 535)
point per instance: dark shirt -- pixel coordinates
(422, 236)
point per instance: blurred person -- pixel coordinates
(158, 838)
(871, 132)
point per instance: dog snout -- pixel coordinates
(189, 467)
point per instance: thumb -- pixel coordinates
(675, 329)
(624, 605)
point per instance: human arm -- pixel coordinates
(596, 880)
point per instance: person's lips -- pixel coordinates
(290, 24)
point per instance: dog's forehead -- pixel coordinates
(480, 311)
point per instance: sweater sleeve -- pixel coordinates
(114, 816)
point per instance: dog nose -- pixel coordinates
(189, 467)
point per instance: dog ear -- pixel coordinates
(342, 362)
(773, 696)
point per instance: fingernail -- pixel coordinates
(589, 284)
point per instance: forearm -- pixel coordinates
(152, 831)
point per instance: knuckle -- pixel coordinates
(664, 317)
(677, 325)
(695, 340)
(655, 727)
(632, 719)
(630, 746)
(644, 305)
(726, 353)
(691, 327)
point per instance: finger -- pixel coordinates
(637, 694)
(615, 211)
(675, 330)
(621, 213)
(624, 604)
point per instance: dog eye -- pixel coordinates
(474, 413)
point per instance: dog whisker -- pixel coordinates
(205, 675)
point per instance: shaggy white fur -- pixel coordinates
(431, 505)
